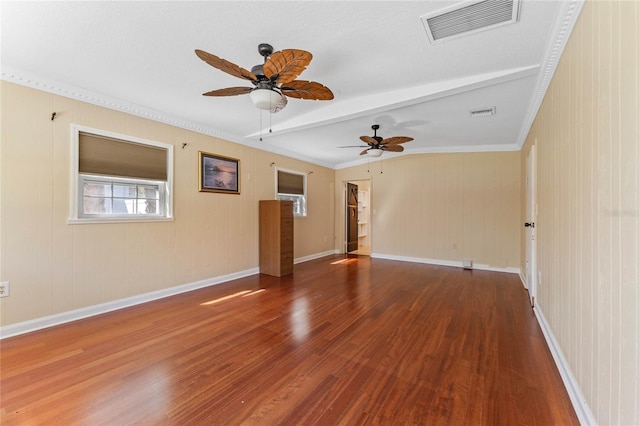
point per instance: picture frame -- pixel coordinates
(218, 174)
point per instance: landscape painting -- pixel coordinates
(218, 174)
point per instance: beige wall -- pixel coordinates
(54, 267)
(587, 133)
(445, 207)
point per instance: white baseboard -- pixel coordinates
(439, 262)
(580, 405)
(578, 400)
(523, 279)
(314, 256)
(64, 317)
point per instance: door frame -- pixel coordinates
(345, 236)
(351, 222)
(531, 212)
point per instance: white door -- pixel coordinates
(530, 224)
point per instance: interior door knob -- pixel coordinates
(530, 224)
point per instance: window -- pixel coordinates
(103, 196)
(292, 186)
(120, 178)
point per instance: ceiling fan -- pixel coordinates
(273, 80)
(377, 145)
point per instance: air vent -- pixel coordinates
(469, 17)
(483, 112)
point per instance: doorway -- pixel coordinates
(352, 217)
(357, 217)
(530, 225)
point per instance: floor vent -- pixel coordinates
(469, 17)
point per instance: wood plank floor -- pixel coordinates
(342, 341)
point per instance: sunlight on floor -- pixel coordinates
(254, 292)
(347, 261)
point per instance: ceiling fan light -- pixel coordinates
(266, 99)
(280, 105)
(374, 152)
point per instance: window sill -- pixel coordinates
(84, 221)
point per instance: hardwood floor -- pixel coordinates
(341, 341)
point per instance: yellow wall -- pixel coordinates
(443, 207)
(54, 267)
(588, 231)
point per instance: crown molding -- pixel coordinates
(435, 150)
(102, 100)
(567, 18)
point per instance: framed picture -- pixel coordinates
(218, 174)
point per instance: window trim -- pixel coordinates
(305, 195)
(76, 177)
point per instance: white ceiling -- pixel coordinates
(375, 56)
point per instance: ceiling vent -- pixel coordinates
(469, 17)
(483, 112)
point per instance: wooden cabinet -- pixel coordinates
(276, 237)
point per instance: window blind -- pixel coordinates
(115, 157)
(290, 183)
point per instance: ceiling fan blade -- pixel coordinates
(226, 66)
(395, 140)
(393, 148)
(365, 151)
(229, 91)
(368, 139)
(286, 65)
(303, 89)
(350, 146)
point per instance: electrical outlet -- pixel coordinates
(4, 289)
